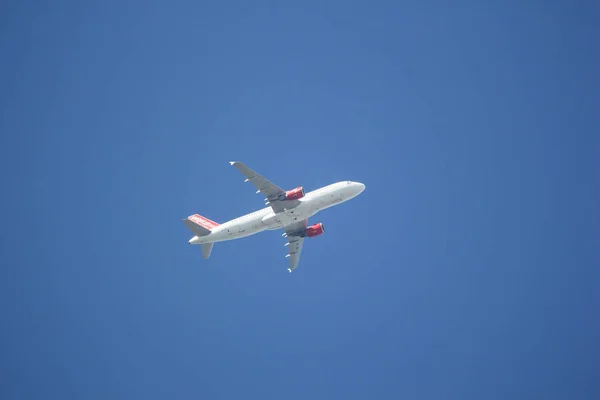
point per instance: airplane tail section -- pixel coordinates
(206, 249)
(200, 226)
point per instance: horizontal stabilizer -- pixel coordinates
(206, 249)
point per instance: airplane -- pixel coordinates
(287, 209)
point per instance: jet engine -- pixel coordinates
(293, 194)
(314, 230)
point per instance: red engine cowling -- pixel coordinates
(314, 230)
(295, 194)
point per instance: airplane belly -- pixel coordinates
(271, 221)
(243, 230)
(287, 219)
(279, 220)
(236, 231)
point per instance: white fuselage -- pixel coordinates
(265, 218)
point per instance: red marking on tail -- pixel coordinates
(203, 221)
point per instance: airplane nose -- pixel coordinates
(357, 188)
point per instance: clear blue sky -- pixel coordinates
(468, 269)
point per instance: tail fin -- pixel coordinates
(199, 225)
(206, 249)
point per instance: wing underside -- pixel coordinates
(295, 242)
(271, 191)
(273, 195)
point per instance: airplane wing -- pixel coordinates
(264, 186)
(295, 242)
